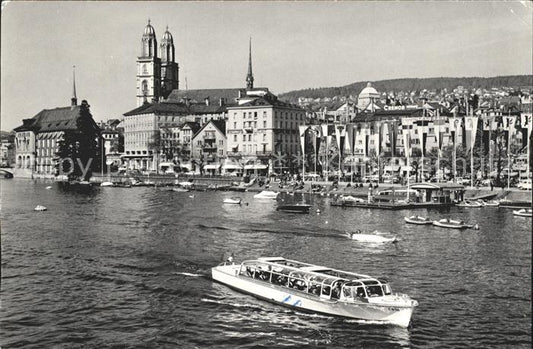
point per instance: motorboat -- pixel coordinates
(107, 184)
(266, 194)
(40, 208)
(469, 203)
(523, 212)
(375, 237)
(418, 220)
(452, 224)
(318, 289)
(491, 203)
(234, 201)
(294, 208)
(180, 190)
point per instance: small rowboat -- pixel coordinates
(180, 190)
(317, 289)
(523, 212)
(492, 203)
(418, 220)
(40, 208)
(452, 224)
(296, 208)
(469, 203)
(372, 238)
(234, 201)
(266, 194)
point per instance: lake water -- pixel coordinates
(118, 267)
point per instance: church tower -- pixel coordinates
(148, 68)
(250, 77)
(169, 67)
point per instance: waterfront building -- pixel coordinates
(7, 149)
(37, 139)
(113, 138)
(209, 145)
(261, 130)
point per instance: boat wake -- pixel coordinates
(230, 304)
(188, 274)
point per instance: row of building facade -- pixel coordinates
(250, 130)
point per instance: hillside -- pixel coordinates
(413, 84)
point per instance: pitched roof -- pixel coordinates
(228, 94)
(262, 101)
(177, 108)
(49, 120)
(219, 124)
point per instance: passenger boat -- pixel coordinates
(451, 223)
(234, 201)
(469, 203)
(318, 289)
(295, 208)
(266, 194)
(523, 212)
(40, 208)
(376, 237)
(418, 220)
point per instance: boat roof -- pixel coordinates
(311, 269)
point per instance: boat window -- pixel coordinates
(360, 292)
(386, 289)
(374, 291)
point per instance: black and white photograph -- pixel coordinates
(266, 174)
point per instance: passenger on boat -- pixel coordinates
(230, 259)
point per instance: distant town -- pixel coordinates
(464, 133)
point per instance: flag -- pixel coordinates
(406, 142)
(525, 120)
(340, 133)
(508, 122)
(348, 142)
(474, 131)
(302, 129)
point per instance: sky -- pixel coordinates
(295, 45)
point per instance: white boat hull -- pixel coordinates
(387, 311)
(522, 213)
(451, 225)
(417, 221)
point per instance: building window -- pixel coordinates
(249, 138)
(264, 136)
(264, 124)
(235, 138)
(221, 142)
(264, 114)
(235, 125)
(244, 137)
(255, 115)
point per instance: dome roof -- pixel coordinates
(369, 92)
(167, 36)
(149, 30)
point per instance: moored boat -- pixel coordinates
(294, 208)
(107, 184)
(469, 203)
(452, 224)
(523, 212)
(234, 201)
(40, 208)
(266, 194)
(318, 289)
(180, 190)
(418, 220)
(375, 237)
(490, 203)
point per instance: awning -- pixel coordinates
(166, 164)
(392, 168)
(187, 166)
(255, 167)
(232, 167)
(212, 167)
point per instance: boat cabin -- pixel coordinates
(443, 193)
(318, 281)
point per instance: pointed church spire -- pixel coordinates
(250, 77)
(74, 99)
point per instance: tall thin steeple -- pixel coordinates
(250, 77)
(74, 99)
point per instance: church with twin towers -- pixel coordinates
(157, 70)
